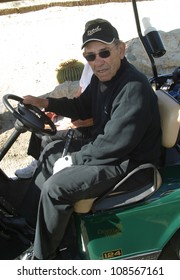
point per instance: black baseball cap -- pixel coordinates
(99, 30)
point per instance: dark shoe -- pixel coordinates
(27, 255)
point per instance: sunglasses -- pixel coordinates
(92, 56)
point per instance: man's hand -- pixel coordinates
(62, 163)
(36, 101)
(82, 123)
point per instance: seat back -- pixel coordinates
(170, 118)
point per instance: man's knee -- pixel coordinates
(52, 188)
(55, 145)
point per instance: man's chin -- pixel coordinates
(103, 78)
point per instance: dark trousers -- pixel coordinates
(38, 142)
(49, 201)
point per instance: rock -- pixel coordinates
(136, 54)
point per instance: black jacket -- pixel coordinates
(126, 119)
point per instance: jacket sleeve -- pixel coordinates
(75, 108)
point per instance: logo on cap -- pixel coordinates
(94, 30)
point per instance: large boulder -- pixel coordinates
(136, 54)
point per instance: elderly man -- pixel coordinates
(126, 133)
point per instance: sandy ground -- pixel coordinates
(33, 44)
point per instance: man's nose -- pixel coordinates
(99, 60)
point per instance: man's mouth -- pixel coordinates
(101, 71)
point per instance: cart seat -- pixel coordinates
(170, 123)
(170, 118)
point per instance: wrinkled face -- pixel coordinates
(107, 58)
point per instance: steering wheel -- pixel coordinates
(30, 116)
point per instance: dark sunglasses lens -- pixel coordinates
(90, 57)
(104, 54)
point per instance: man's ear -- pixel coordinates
(122, 48)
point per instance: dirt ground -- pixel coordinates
(33, 44)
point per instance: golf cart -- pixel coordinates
(143, 223)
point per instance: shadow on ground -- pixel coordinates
(7, 121)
